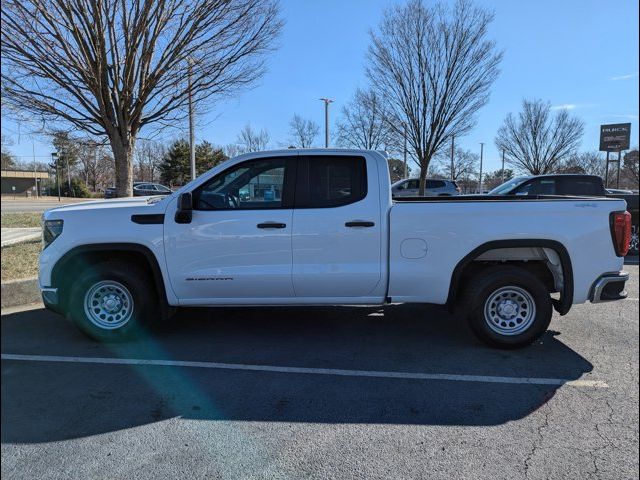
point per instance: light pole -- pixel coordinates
(326, 101)
(54, 158)
(480, 176)
(35, 169)
(502, 166)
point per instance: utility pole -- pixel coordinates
(192, 135)
(326, 101)
(502, 181)
(480, 176)
(618, 172)
(35, 171)
(404, 153)
(452, 154)
(54, 157)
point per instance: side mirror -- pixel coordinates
(184, 213)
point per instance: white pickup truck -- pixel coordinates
(319, 227)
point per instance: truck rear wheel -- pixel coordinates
(112, 302)
(508, 307)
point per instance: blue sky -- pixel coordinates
(578, 54)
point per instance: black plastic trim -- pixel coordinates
(59, 267)
(562, 305)
(148, 219)
(271, 225)
(359, 224)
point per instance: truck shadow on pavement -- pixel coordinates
(50, 401)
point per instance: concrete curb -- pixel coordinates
(27, 237)
(20, 292)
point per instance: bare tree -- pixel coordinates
(251, 141)
(232, 150)
(630, 174)
(96, 165)
(302, 132)
(590, 163)
(365, 123)
(492, 179)
(8, 159)
(465, 164)
(148, 156)
(434, 66)
(536, 141)
(112, 67)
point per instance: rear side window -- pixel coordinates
(335, 181)
(434, 184)
(582, 186)
(413, 184)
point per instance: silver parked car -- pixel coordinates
(434, 187)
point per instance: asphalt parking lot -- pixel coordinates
(288, 393)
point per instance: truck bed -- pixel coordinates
(429, 236)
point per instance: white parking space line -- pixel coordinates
(311, 371)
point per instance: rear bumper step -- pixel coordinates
(609, 287)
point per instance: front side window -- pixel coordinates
(508, 187)
(336, 181)
(256, 184)
(540, 186)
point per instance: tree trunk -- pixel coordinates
(123, 156)
(423, 177)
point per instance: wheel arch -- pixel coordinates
(561, 305)
(83, 256)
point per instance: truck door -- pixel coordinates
(337, 230)
(238, 244)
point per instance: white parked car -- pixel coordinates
(410, 187)
(319, 227)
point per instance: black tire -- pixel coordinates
(138, 287)
(500, 284)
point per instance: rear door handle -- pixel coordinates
(271, 225)
(359, 223)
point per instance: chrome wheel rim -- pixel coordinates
(509, 310)
(633, 244)
(108, 305)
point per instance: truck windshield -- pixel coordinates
(506, 187)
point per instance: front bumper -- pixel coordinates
(609, 287)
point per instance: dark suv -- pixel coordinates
(571, 184)
(562, 184)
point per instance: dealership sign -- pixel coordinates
(615, 137)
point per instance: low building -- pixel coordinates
(23, 182)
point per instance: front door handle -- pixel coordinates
(359, 223)
(271, 225)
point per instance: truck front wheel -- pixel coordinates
(112, 301)
(508, 307)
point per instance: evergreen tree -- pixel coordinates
(207, 157)
(175, 168)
